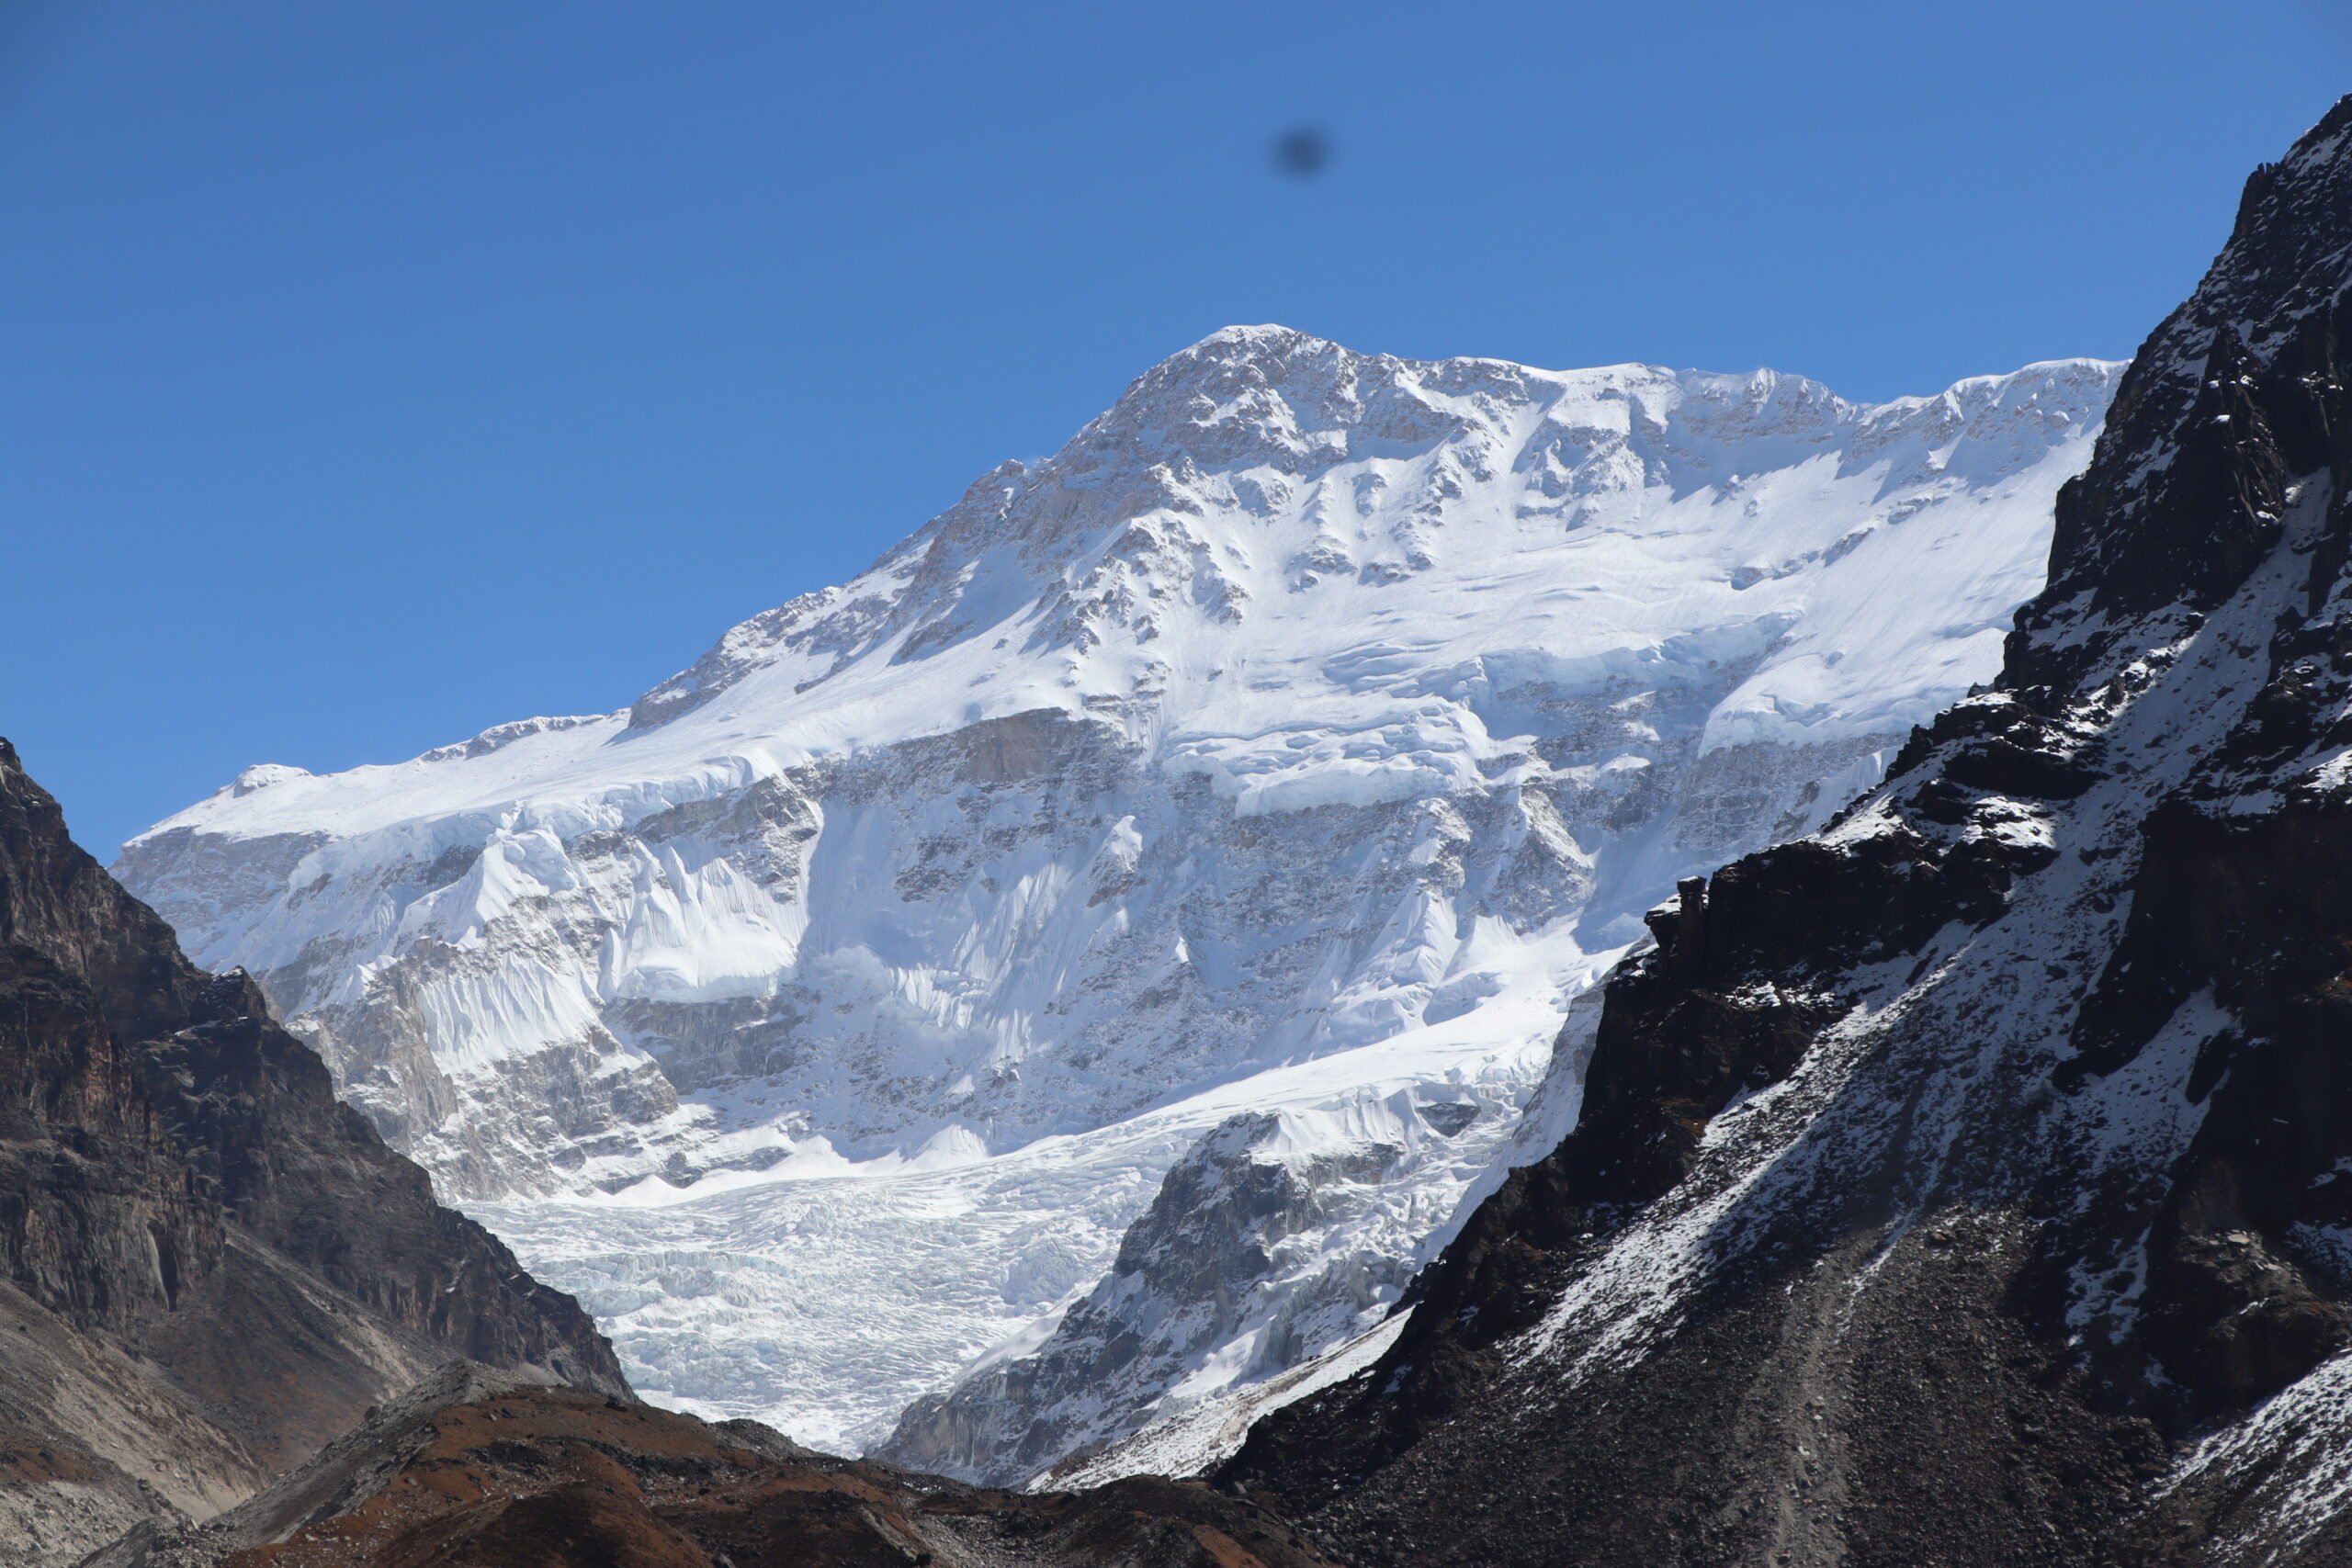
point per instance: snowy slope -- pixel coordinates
(1307, 707)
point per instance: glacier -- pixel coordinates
(1287, 751)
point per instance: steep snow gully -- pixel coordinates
(1236, 800)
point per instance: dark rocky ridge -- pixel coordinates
(1957, 1186)
(209, 1266)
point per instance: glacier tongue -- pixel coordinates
(830, 1304)
(1302, 735)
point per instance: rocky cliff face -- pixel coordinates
(1965, 1183)
(1312, 719)
(208, 1266)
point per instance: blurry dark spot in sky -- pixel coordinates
(1301, 152)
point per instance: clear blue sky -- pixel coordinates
(372, 371)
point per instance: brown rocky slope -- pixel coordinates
(209, 1267)
(477, 1470)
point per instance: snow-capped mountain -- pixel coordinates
(1964, 1183)
(1298, 738)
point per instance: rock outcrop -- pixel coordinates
(1242, 1266)
(1966, 1183)
(209, 1267)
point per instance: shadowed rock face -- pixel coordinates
(476, 1471)
(1967, 1183)
(208, 1266)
